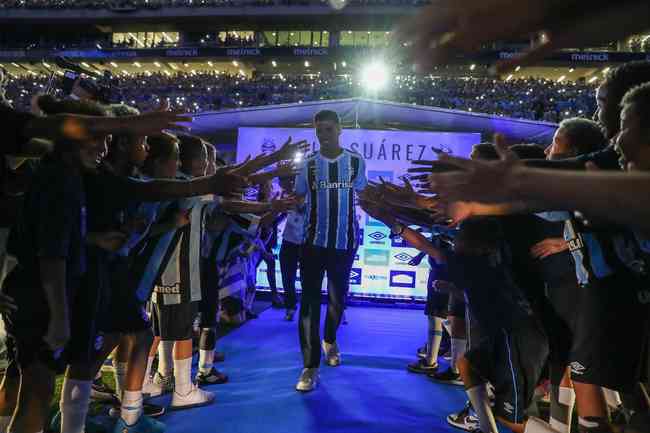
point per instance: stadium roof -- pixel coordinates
(373, 114)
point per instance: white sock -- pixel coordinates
(183, 375)
(434, 338)
(206, 360)
(4, 423)
(131, 407)
(147, 373)
(562, 409)
(447, 325)
(120, 377)
(165, 359)
(75, 397)
(612, 397)
(458, 347)
(536, 425)
(481, 403)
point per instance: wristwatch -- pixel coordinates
(396, 230)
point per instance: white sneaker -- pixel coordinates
(197, 397)
(308, 380)
(157, 385)
(332, 353)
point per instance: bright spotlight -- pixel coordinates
(374, 76)
(338, 4)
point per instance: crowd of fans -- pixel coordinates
(532, 98)
(155, 4)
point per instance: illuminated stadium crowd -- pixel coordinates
(532, 98)
(154, 4)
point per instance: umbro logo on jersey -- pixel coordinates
(508, 407)
(377, 236)
(577, 368)
(403, 257)
(99, 342)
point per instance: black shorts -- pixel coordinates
(560, 324)
(513, 362)
(27, 327)
(611, 327)
(124, 313)
(437, 301)
(456, 307)
(437, 304)
(209, 304)
(174, 322)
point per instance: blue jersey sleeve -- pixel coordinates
(302, 187)
(554, 216)
(361, 180)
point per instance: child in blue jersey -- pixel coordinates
(292, 238)
(328, 180)
(177, 286)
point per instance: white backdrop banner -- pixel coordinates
(381, 267)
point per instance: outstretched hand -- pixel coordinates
(229, 182)
(280, 205)
(155, 122)
(482, 181)
(289, 149)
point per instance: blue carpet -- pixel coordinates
(370, 392)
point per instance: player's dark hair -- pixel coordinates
(618, 82)
(191, 148)
(639, 99)
(584, 135)
(327, 116)
(52, 106)
(161, 147)
(485, 151)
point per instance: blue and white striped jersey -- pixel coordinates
(329, 186)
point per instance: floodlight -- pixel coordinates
(374, 76)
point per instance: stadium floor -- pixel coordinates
(370, 392)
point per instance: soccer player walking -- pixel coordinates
(328, 180)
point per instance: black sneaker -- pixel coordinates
(464, 420)
(153, 410)
(102, 392)
(445, 353)
(422, 367)
(448, 377)
(422, 352)
(289, 315)
(215, 377)
(148, 409)
(276, 301)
